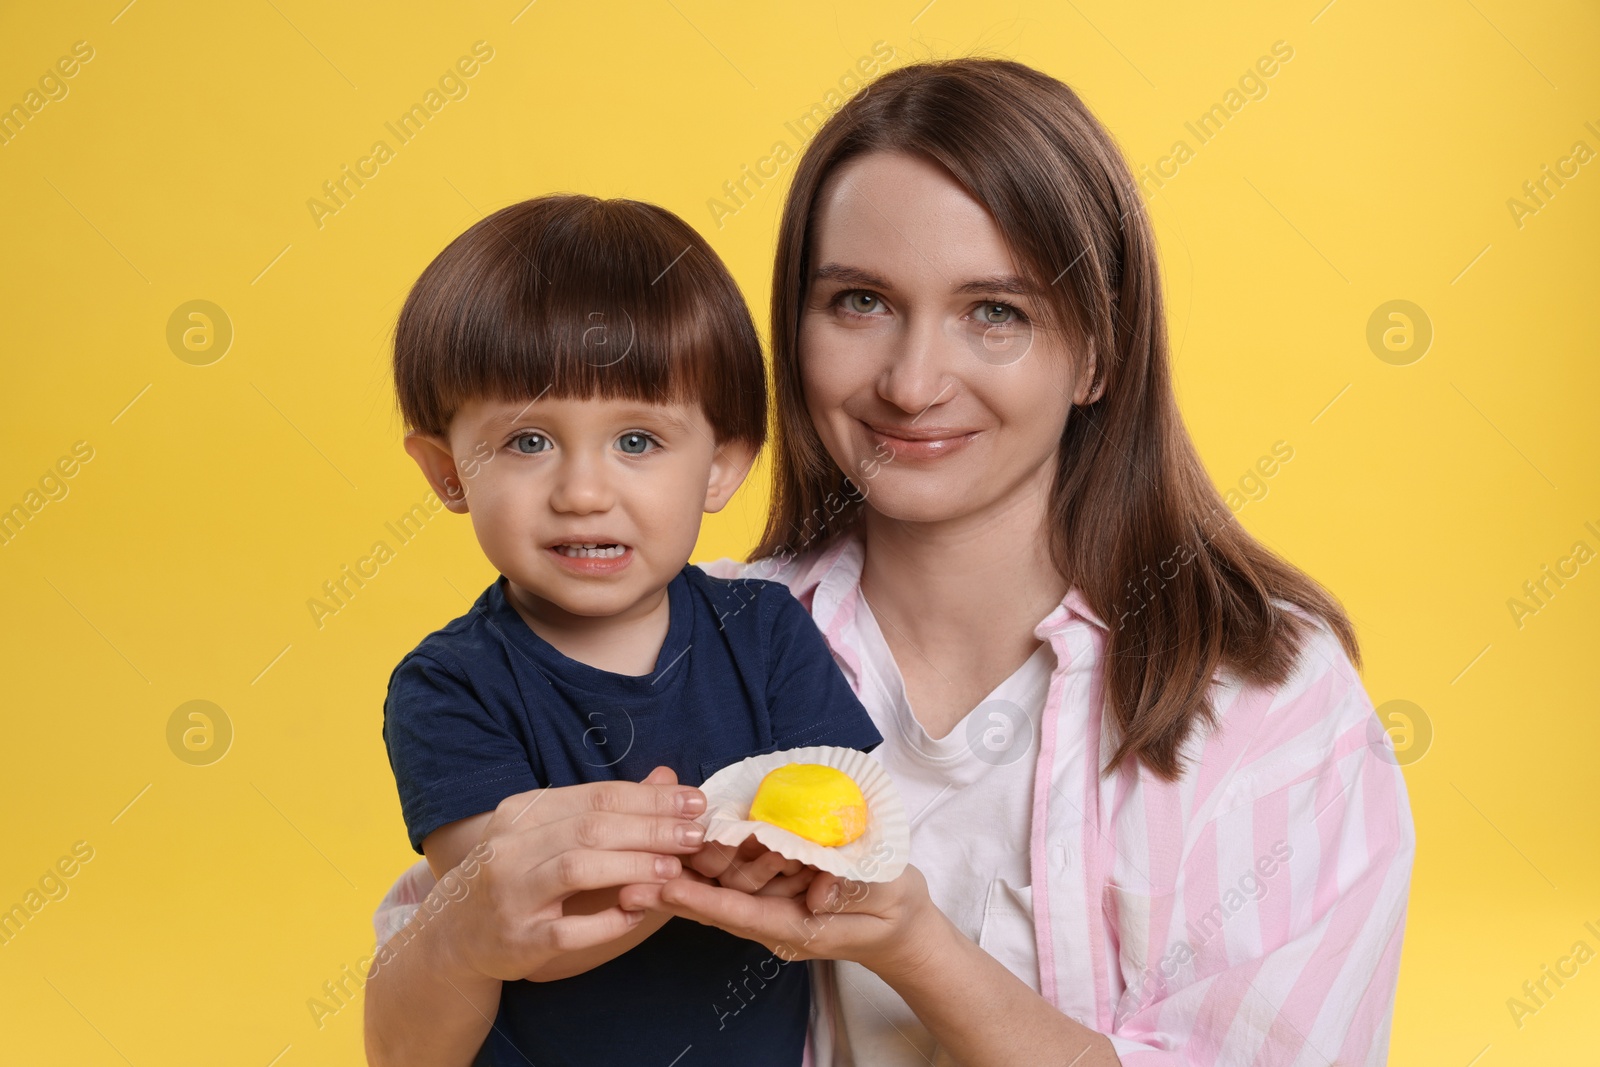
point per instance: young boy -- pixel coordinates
(583, 379)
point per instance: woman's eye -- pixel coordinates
(634, 444)
(530, 443)
(999, 314)
(862, 303)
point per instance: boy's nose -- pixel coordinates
(581, 487)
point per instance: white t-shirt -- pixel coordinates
(968, 796)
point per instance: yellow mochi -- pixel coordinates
(818, 802)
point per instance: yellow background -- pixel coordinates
(1377, 167)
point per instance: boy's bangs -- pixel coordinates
(573, 297)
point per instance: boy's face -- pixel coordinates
(539, 477)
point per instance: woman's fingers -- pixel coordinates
(769, 920)
(790, 885)
(655, 797)
(604, 830)
(578, 869)
(646, 896)
(830, 893)
(753, 876)
(711, 860)
(573, 932)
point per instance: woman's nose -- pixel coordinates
(917, 375)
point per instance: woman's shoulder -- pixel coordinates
(799, 572)
(1272, 736)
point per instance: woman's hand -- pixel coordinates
(544, 847)
(751, 868)
(885, 926)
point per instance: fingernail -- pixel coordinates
(666, 867)
(691, 803)
(691, 834)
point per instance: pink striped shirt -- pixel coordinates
(1250, 913)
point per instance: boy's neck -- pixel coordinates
(626, 643)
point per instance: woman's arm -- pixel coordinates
(985, 1015)
(434, 989)
(979, 1011)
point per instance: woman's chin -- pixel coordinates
(931, 502)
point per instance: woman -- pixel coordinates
(1155, 820)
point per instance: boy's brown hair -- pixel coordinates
(576, 297)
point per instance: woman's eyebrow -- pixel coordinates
(838, 272)
(999, 283)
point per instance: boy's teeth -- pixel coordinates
(591, 551)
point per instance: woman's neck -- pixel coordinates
(958, 600)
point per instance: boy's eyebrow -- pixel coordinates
(659, 415)
(510, 418)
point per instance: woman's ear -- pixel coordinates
(438, 464)
(730, 463)
(1087, 389)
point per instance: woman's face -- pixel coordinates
(926, 367)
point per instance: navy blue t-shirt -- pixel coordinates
(485, 708)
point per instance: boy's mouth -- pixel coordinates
(590, 549)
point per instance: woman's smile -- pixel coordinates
(912, 443)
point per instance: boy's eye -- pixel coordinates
(634, 443)
(529, 443)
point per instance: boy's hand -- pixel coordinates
(751, 868)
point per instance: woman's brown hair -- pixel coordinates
(1135, 523)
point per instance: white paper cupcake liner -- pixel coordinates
(880, 854)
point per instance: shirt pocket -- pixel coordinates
(1007, 931)
(1149, 972)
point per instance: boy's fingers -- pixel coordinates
(662, 775)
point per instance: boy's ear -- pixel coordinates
(729, 465)
(438, 464)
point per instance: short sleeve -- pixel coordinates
(1280, 941)
(808, 697)
(452, 755)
